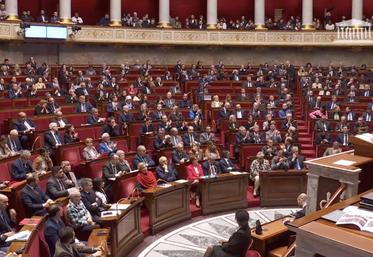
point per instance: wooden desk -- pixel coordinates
(167, 206)
(289, 184)
(274, 235)
(125, 229)
(318, 236)
(99, 237)
(223, 192)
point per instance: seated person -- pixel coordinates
(322, 137)
(211, 167)
(22, 166)
(302, 203)
(33, 198)
(94, 119)
(207, 136)
(165, 172)
(147, 128)
(258, 165)
(165, 123)
(41, 108)
(179, 155)
(66, 246)
(280, 162)
(43, 162)
(141, 156)
(211, 149)
(333, 150)
(226, 165)
(107, 146)
(194, 172)
(60, 120)
(238, 243)
(5, 151)
(56, 186)
(89, 151)
(52, 138)
(161, 140)
(190, 137)
(296, 160)
(99, 189)
(25, 127)
(78, 215)
(256, 137)
(53, 225)
(13, 142)
(8, 222)
(123, 164)
(70, 178)
(145, 179)
(175, 138)
(269, 150)
(83, 106)
(70, 135)
(112, 128)
(91, 202)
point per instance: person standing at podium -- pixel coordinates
(165, 172)
(239, 241)
(145, 179)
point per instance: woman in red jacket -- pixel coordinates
(194, 171)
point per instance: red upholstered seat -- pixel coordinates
(5, 171)
(126, 187)
(252, 253)
(33, 246)
(44, 248)
(73, 154)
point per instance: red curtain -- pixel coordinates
(338, 9)
(91, 11)
(233, 10)
(142, 7)
(184, 8)
(290, 8)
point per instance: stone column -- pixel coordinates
(11, 7)
(312, 190)
(357, 12)
(307, 15)
(164, 14)
(65, 11)
(212, 14)
(116, 13)
(260, 14)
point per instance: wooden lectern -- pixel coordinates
(167, 205)
(352, 168)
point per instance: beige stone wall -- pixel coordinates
(116, 54)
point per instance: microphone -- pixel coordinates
(117, 205)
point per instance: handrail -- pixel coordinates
(336, 194)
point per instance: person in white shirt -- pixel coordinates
(76, 19)
(329, 26)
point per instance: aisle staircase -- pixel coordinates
(305, 139)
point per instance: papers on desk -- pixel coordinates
(344, 162)
(20, 236)
(133, 171)
(357, 218)
(368, 137)
(112, 179)
(181, 181)
(235, 173)
(165, 185)
(119, 206)
(111, 213)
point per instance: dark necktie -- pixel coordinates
(61, 185)
(13, 146)
(212, 169)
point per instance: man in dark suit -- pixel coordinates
(322, 124)
(190, 137)
(94, 118)
(256, 137)
(224, 112)
(350, 115)
(60, 120)
(66, 246)
(179, 155)
(238, 112)
(7, 221)
(52, 106)
(332, 104)
(368, 116)
(243, 96)
(211, 166)
(165, 172)
(83, 106)
(110, 170)
(226, 165)
(207, 136)
(302, 203)
(162, 140)
(34, 199)
(238, 243)
(93, 203)
(82, 90)
(125, 116)
(42, 18)
(296, 160)
(147, 128)
(52, 139)
(25, 127)
(112, 128)
(56, 186)
(185, 103)
(343, 138)
(141, 156)
(52, 226)
(22, 166)
(13, 141)
(158, 113)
